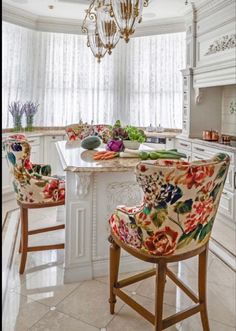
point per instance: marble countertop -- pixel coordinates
(76, 159)
(36, 133)
(212, 144)
(164, 134)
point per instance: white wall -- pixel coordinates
(229, 110)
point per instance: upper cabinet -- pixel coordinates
(211, 43)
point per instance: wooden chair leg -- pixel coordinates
(202, 288)
(24, 238)
(159, 295)
(114, 269)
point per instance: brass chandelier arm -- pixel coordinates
(89, 14)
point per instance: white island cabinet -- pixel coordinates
(93, 190)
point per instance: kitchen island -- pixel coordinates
(93, 190)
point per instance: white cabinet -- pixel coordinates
(215, 43)
(51, 155)
(184, 146)
(36, 155)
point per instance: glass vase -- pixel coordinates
(29, 123)
(17, 123)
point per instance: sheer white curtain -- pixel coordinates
(140, 83)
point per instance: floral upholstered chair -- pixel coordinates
(173, 223)
(34, 187)
(81, 131)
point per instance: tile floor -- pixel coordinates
(39, 300)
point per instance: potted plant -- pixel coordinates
(30, 109)
(135, 137)
(16, 110)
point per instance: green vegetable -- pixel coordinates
(135, 134)
(144, 155)
(91, 142)
(161, 154)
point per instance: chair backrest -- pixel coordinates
(181, 200)
(81, 131)
(18, 153)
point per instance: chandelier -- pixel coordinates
(107, 21)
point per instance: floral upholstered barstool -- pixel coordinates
(34, 188)
(173, 223)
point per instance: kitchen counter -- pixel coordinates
(76, 159)
(93, 190)
(36, 133)
(212, 144)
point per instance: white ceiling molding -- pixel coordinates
(51, 24)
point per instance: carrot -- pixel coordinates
(98, 157)
(109, 157)
(100, 152)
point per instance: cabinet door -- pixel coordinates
(35, 154)
(51, 154)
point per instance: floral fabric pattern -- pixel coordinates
(179, 206)
(81, 131)
(32, 183)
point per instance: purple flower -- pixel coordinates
(16, 109)
(30, 108)
(115, 146)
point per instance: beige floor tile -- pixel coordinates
(20, 313)
(128, 320)
(219, 273)
(47, 286)
(194, 324)
(225, 235)
(129, 288)
(89, 303)
(56, 321)
(147, 289)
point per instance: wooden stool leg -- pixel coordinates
(20, 248)
(114, 269)
(202, 287)
(159, 296)
(24, 238)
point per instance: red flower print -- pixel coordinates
(142, 168)
(200, 215)
(28, 164)
(195, 175)
(162, 243)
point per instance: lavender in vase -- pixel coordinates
(30, 109)
(16, 110)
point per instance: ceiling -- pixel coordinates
(75, 9)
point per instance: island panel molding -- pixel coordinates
(126, 193)
(82, 184)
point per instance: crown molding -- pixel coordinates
(206, 8)
(18, 16)
(160, 26)
(51, 24)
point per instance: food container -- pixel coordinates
(206, 135)
(210, 135)
(214, 136)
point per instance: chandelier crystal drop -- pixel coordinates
(108, 30)
(95, 43)
(106, 21)
(127, 14)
